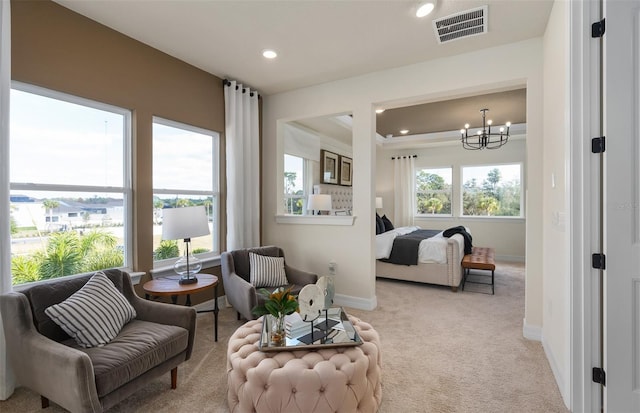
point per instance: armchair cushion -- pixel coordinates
(95, 314)
(267, 271)
(140, 346)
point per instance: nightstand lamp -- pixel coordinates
(185, 223)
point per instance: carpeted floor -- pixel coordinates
(442, 352)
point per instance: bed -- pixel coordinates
(439, 259)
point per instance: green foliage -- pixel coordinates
(166, 249)
(433, 194)
(492, 197)
(280, 301)
(68, 253)
(199, 250)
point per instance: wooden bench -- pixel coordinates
(481, 258)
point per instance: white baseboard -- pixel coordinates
(356, 302)
(531, 332)
(564, 391)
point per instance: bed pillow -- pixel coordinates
(388, 226)
(266, 271)
(379, 225)
(95, 314)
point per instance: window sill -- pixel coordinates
(168, 270)
(347, 220)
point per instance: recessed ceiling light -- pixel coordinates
(269, 54)
(389, 135)
(379, 110)
(425, 8)
(404, 131)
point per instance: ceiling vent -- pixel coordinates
(464, 24)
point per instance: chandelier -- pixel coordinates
(484, 137)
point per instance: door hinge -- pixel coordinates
(599, 376)
(598, 261)
(597, 29)
(597, 145)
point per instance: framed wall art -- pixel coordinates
(346, 170)
(328, 167)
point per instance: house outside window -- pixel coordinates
(295, 190)
(69, 155)
(185, 173)
(492, 190)
(433, 191)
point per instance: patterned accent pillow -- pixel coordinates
(95, 314)
(267, 271)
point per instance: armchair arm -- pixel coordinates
(42, 364)
(240, 294)
(162, 313)
(299, 277)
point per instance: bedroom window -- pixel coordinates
(295, 187)
(70, 185)
(185, 173)
(433, 191)
(492, 190)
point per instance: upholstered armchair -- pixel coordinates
(48, 361)
(236, 273)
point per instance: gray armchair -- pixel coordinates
(241, 294)
(46, 360)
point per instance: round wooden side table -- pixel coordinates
(170, 287)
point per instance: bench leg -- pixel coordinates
(454, 289)
(493, 284)
(174, 378)
(44, 402)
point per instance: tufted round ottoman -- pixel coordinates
(338, 379)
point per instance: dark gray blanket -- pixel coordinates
(405, 247)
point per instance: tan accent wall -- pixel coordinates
(61, 50)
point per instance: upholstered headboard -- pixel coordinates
(341, 196)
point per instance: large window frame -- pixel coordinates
(125, 189)
(491, 166)
(213, 192)
(419, 193)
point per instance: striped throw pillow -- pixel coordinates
(95, 314)
(267, 271)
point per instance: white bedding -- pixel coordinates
(431, 250)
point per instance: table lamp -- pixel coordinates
(319, 202)
(185, 223)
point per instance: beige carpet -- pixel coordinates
(442, 352)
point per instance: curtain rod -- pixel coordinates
(227, 82)
(404, 156)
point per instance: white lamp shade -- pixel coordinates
(182, 223)
(378, 202)
(319, 202)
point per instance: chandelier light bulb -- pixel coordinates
(462, 131)
(485, 138)
(479, 133)
(466, 126)
(508, 124)
(489, 122)
(501, 129)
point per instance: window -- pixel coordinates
(69, 158)
(433, 191)
(295, 192)
(185, 173)
(492, 190)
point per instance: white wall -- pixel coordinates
(312, 246)
(507, 236)
(556, 252)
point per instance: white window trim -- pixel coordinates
(207, 257)
(126, 190)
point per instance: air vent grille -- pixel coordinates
(464, 24)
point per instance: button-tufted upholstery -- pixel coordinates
(339, 379)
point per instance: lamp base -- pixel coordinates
(188, 280)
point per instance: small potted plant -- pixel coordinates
(278, 304)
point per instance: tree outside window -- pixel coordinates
(294, 178)
(433, 191)
(493, 190)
